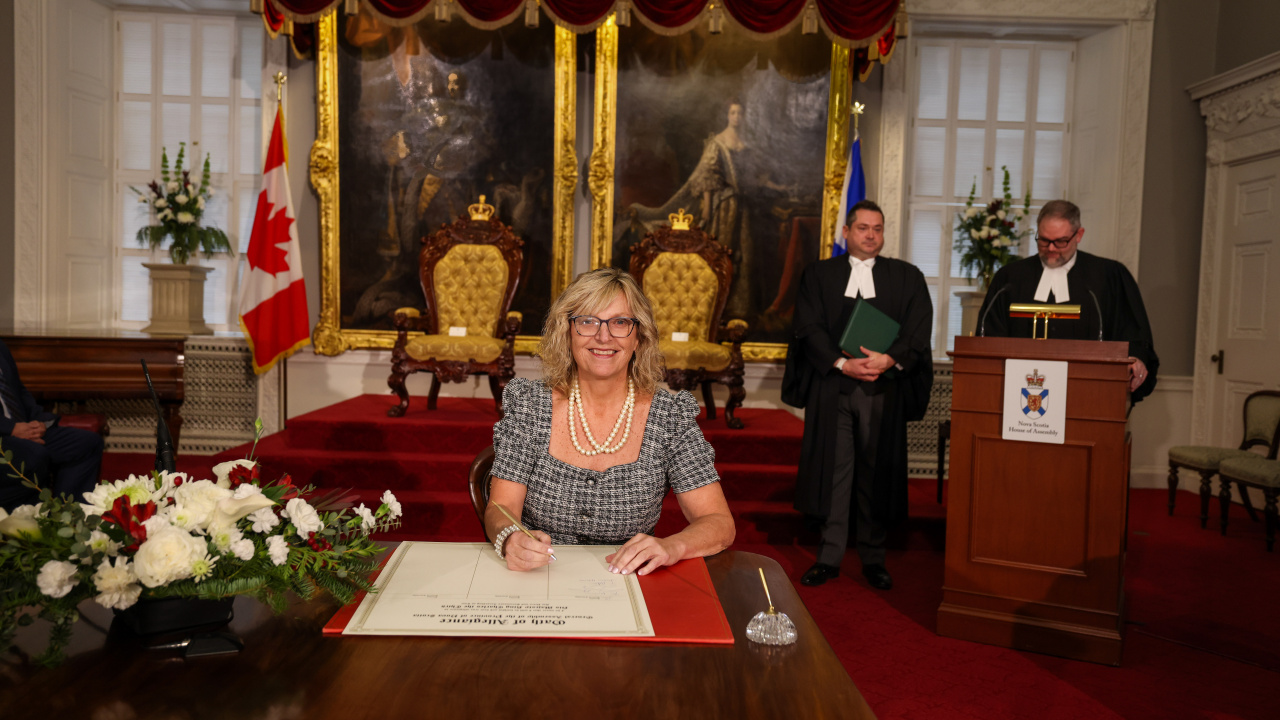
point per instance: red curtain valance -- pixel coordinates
(853, 23)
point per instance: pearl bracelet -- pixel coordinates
(501, 540)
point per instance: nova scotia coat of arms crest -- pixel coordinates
(1035, 396)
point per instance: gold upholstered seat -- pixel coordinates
(469, 272)
(686, 274)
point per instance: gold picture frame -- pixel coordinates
(329, 337)
(601, 171)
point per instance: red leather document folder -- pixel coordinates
(683, 607)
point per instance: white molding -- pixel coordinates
(1133, 142)
(1014, 10)
(29, 163)
(1234, 78)
(1243, 123)
(894, 113)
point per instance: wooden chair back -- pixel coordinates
(478, 481)
(478, 279)
(680, 261)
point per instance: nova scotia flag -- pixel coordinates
(853, 192)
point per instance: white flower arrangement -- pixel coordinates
(179, 205)
(166, 535)
(987, 236)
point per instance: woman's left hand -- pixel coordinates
(643, 554)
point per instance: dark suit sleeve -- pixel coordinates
(811, 323)
(913, 341)
(30, 408)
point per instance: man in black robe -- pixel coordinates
(853, 464)
(1110, 305)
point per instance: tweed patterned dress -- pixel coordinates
(576, 506)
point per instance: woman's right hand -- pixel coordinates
(524, 554)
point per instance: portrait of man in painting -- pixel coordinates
(733, 130)
(431, 117)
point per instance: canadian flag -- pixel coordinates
(273, 297)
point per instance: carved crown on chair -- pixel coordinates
(481, 211)
(680, 220)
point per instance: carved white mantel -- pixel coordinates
(1241, 109)
(1135, 17)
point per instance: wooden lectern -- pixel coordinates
(1036, 531)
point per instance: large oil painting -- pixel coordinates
(428, 118)
(733, 129)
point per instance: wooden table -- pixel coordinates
(79, 365)
(288, 670)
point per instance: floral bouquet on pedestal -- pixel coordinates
(166, 535)
(987, 237)
(178, 205)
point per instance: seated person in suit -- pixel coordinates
(1110, 304)
(585, 455)
(66, 460)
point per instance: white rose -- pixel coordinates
(162, 203)
(21, 522)
(167, 555)
(1001, 214)
(171, 186)
(181, 199)
(56, 578)
(366, 517)
(242, 549)
(200, 202)
(99, 543)
(117, 584)
(186, 218)
(974, 234)
(264, 520)
(278, 549)
(304, 517)
(195, 503)
(222, 471)
(971, 212)
(392, 504)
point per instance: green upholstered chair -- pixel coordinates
(1250, 472)
(686, 275)
(469, 272)
(1261, 424)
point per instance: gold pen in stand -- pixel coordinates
(523, 529)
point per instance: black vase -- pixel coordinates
(173, 615)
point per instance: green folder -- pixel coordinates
(869, 328)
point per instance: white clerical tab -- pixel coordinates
(1035, 401)
(679, 337)
(861, 281)
(455, 331)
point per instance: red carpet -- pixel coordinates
(1201, 640)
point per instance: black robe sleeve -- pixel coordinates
(811, 322)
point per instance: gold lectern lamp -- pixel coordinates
(1036, 311)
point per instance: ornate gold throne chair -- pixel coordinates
(686, 274)
(469, 271)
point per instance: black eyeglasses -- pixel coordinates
(1060, 243)
(589, 325)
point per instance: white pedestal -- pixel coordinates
(970, 304)
(177, 299)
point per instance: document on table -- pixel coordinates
(465, 589)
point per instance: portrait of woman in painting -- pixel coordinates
(732, 129)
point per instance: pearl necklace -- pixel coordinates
(628, 411)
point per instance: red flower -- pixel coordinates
(130, 518)
(240, 475)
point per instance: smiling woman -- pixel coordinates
(573, 485)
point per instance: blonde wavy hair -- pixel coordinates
(586, 295)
